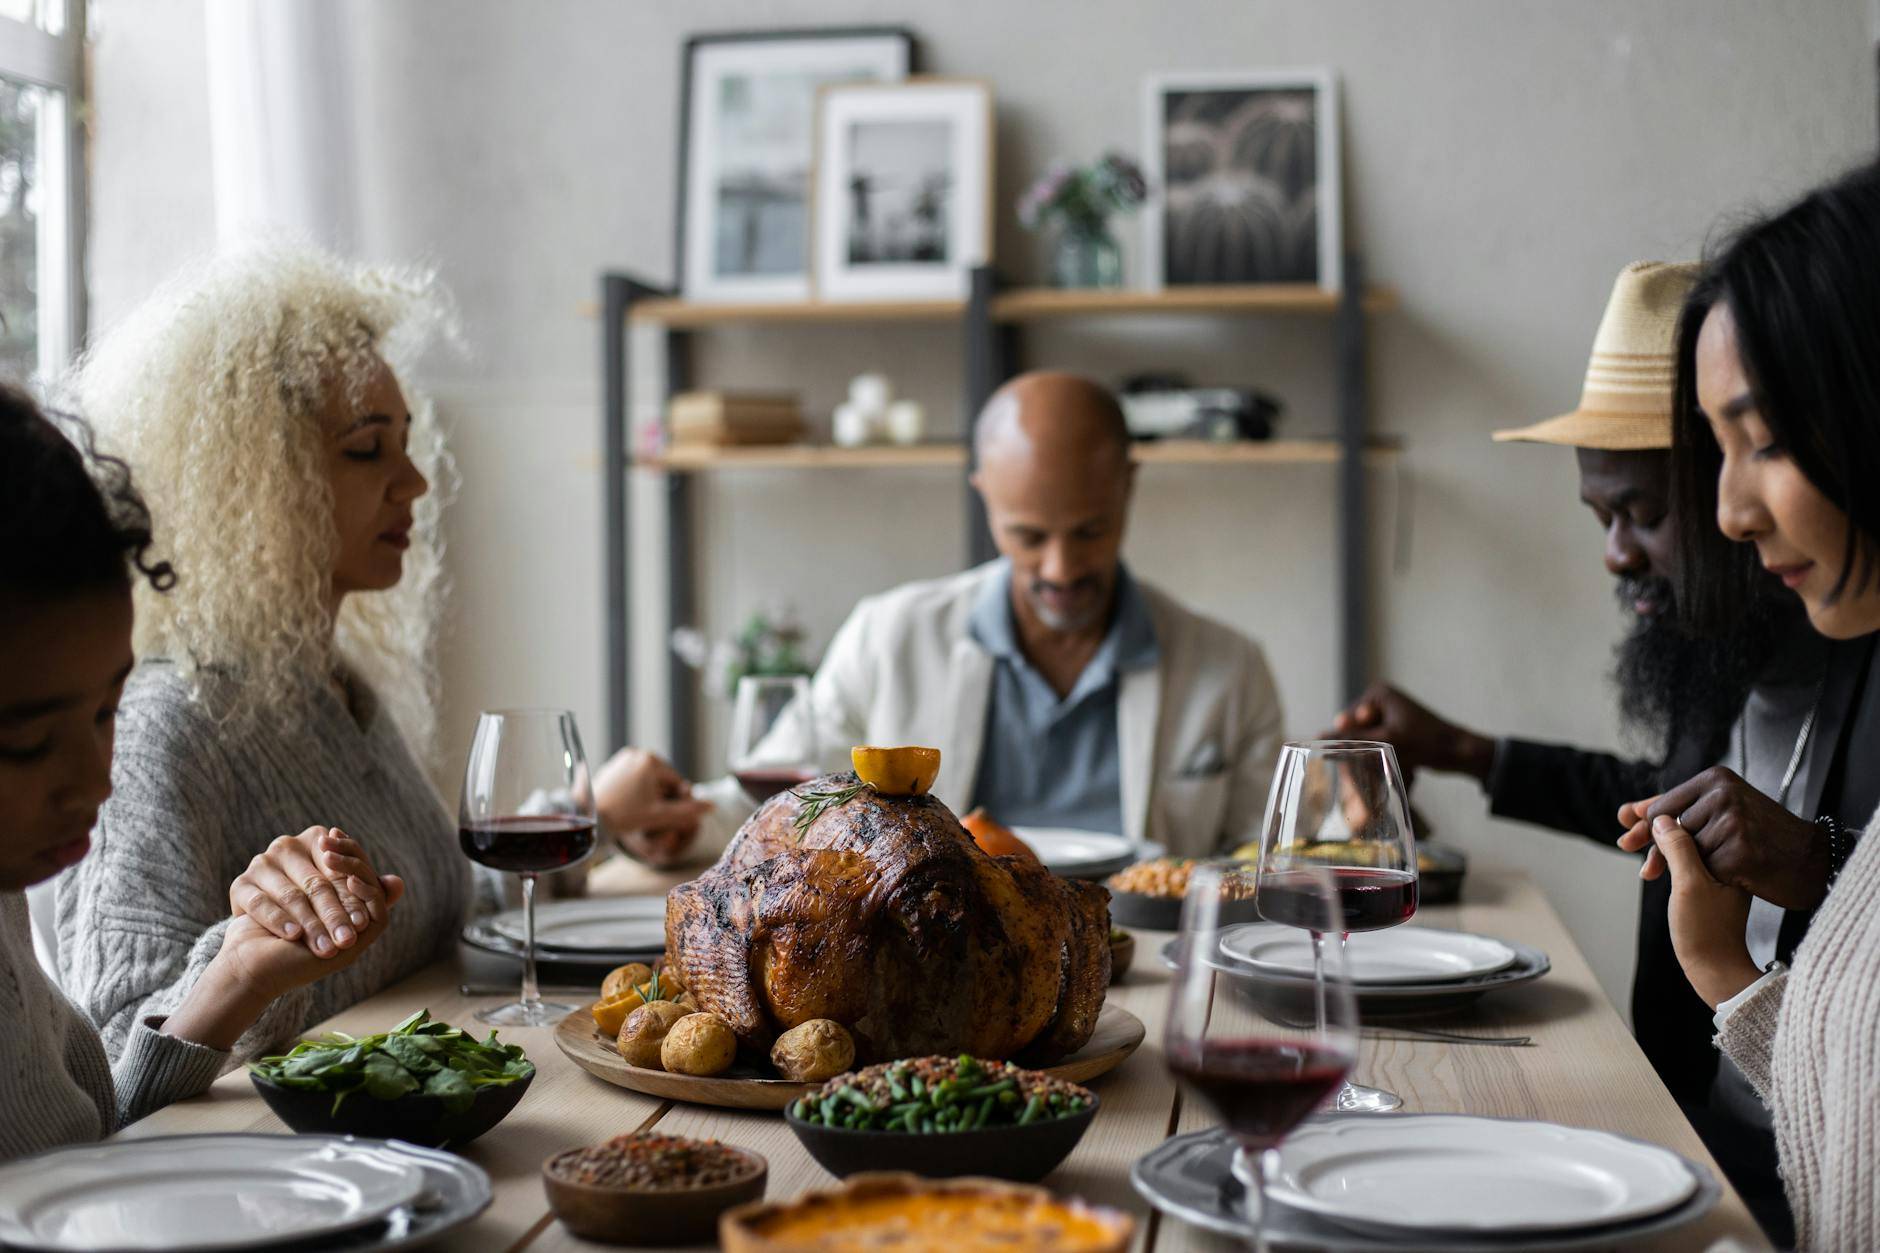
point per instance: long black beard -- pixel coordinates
(1673, 687)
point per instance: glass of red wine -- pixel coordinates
(773, 735)
(1339, 806)
(1262, 1050)
(527, 809)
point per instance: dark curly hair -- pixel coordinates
(70, 520)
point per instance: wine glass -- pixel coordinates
(1262, 1049)
(773, 735)
(527, 808)
(1340, 806)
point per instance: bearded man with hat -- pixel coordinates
(1757, 724)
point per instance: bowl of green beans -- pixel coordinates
(942, 1117)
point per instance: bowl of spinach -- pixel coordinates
(425, 1082)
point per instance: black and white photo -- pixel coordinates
(903, 189)
(1244, 169)
(749, 118)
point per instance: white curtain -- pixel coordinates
(281, 120)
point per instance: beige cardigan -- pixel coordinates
(1809, 1040)
(1198, 733)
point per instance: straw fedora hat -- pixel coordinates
(1625, 404)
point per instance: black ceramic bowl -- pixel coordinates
(1022, 1154)
(1164, 913)
(415, 1118)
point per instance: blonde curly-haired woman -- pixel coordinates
(287, 678)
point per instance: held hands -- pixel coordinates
(1420, 737)
(268, 966)
(648, 806)
(300, 884)
(316, 887)
(1707, 919)
(1746, 840)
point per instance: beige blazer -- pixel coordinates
(1199, 732)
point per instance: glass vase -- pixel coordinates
(1086, 256)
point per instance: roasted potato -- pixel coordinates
(813, 1051)
(644, 1031)
(620, 978)
(698, 1044)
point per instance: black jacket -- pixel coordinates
(1570, 790)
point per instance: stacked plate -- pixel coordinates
(1435, 1181)
(237, 1192)
(1085, 854)
(1399, 970)
(604, 931)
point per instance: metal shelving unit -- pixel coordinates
(993, 321)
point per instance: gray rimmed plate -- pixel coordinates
(1191, 1177)
(449, 1192)
(1406, 999)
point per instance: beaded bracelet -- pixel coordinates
(1840, 845)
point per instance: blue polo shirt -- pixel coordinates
(1047, 762)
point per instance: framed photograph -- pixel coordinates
(1243, 179)
(747, 135)
(902, 208)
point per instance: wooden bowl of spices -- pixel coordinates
(651, 1189)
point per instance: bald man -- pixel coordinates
(1061, 691)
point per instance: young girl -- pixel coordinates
(1779, 442)
(67, 552)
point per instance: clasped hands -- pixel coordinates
(1723, 842)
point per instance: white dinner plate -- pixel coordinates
(1420, 955)
(603, 924)
(1070, 852)
(220, 1192)
(1449, 1172)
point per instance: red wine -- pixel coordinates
(524, 844)
(1369, 899)
(765, 782)
(1261, 1089)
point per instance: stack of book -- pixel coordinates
(721, 418)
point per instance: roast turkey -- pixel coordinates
(883, 915)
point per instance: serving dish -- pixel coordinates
(905, 1212)
(415, 1118)
(649, 1216)
(1118, 1034)
(1021, 1154)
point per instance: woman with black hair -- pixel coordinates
(69, 548)
(1778, 440)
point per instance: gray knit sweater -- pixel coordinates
(55, 1085)
(1809, 1040)
(193, 801)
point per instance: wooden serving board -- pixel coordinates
(1118, 1034)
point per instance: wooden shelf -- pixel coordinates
(686, 313)
(1023, 304)
(692, 459)
(1035, 304)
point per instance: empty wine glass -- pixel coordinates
(1339, 806)
(1262, 1049)
(527, 808)
(773, 735)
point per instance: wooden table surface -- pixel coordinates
(1584, 1069)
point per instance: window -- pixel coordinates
(41, 273)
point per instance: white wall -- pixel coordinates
(1502, 162)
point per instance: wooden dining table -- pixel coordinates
(1582, 1069)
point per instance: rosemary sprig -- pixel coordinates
(815, 803)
